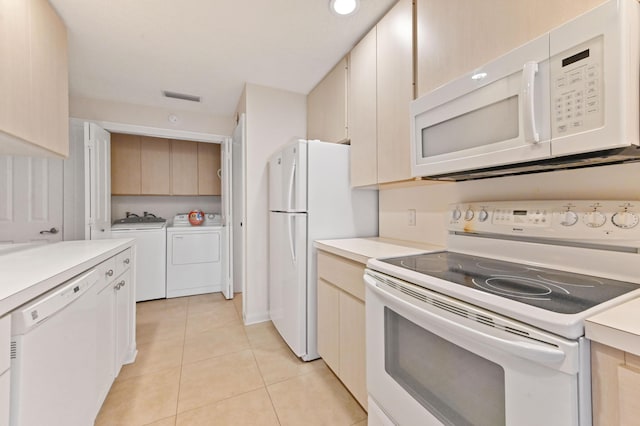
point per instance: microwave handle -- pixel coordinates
(529, 72)
(531, 351)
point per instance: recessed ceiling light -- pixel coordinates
(344, 7)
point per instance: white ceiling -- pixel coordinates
(131, 50)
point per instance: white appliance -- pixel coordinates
(566, 99)
(53, 356)
(194, 256)
(309, 198)
(151, 241)
(491, 331)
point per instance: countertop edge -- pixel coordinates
(341, 252)
(613, 337)
(23, 296)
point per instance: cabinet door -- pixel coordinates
(209, 182)
(327, 106)
(14, 62)
(125, 164)
(184, 168)
(123, 321)
(491, 28)
(5, 398)
(353, 366)
(49, 78)
(105, 341)
(395, 92)
(154, 166)
(329, 324)
(362, 112)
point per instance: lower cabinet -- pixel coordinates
(615, 383)
(5, 375)
(341, 321)
(115, 321)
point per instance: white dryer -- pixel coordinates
(194, 256)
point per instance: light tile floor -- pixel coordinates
(198, 364)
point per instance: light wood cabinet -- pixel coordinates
(153, 166)
(456, 36)
(34, 106)
(184, 168)
(125, 164)
(155, 162)
(380, 92)
(327, 106)
(395, 92)
(363, 112)
(341, 321)
(615, 386)
(209, 164)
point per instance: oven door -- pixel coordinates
(432, 360)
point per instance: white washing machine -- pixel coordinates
(194, 256)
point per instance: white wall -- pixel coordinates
(142, 115)
(274, 118)
(162, 206)
(616, 182)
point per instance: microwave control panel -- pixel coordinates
(577, 98)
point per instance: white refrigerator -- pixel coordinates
(310, 198)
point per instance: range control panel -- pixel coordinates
(576, 219)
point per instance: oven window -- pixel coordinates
(492, 123)
(455, 385)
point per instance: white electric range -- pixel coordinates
(492, 329)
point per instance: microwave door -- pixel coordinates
(496, 115)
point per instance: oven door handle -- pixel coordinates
(531, 351)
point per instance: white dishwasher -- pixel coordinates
(53, 356)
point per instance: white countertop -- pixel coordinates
(618, 327)
(33, 270)
(363, 249)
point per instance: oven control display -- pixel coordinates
(537, 217)
(576, 89)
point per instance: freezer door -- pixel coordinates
(295, 177)
(276, 183)
(288, 278)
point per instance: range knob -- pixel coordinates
(625, 219)
(468, 215)
(483, 215)
(568, 218)
(456, 214)
(595, 219)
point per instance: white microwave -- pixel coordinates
(566, 99)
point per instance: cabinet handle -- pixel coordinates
(117, 286)
(122, 283)
(126, 261)
(110, 272)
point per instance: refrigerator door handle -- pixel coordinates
(291, 218)
(292, 180)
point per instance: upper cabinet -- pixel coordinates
(327, 106)
(34, 106)
(456, 36)
(143, 165)
(381, 89)
(209, 172)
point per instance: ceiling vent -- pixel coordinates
(183, 96)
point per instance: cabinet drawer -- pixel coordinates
(107, 271)
(343, 273)
(5, 342)
(124, 260)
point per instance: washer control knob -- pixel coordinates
(468, 215)
(625, 219)
(595, 219)
(483, 215)
(456, 214)
(568, 218)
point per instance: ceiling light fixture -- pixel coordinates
(344, 7)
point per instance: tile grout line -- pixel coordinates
(184, 341)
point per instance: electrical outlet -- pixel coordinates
(412, 217)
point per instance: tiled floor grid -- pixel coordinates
(198, 364)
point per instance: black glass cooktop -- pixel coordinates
(550, 289)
